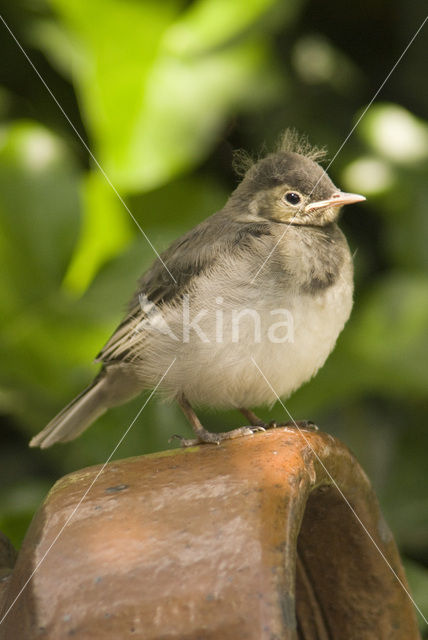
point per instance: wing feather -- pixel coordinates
(186, 258)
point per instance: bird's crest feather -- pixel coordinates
(290, 141)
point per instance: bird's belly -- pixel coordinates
(222, 359)
(318, 322)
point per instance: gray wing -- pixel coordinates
(186, 258)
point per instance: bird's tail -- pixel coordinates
(75, 417)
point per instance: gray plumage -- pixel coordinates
(262, 252)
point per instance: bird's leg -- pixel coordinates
(273, 424)
(204, 436)
(252, 418)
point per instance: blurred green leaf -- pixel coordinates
(317, 61)
(369, 174)
(39, 221)
(39, 207)
(177, 132)
(153, 114)
(404, 211)
(395, 133)
(106, 231)
(389, 335)
(209, 24)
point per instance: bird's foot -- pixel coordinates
(273, 424)
(307, 425)
(207, 437)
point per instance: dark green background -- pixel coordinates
(162, 92)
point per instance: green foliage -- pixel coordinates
(105, 232)
(162, 91)
(156, 96)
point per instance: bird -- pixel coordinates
(241, 310)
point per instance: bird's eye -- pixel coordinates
(292, 197)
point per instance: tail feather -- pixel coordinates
(75, 417)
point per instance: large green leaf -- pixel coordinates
(151, 111)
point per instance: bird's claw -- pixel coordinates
(185, 442)
(308, 425)
(206, 437)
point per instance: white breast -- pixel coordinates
(318, 321)
(219, 372)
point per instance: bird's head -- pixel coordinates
(291, 187)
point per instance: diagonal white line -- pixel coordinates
(72, 514)
(84, 143)
(346, 140)
(412, 39)
(403, 586)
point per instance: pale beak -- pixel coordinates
(338, 199)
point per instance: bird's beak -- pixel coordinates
(338, 199)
